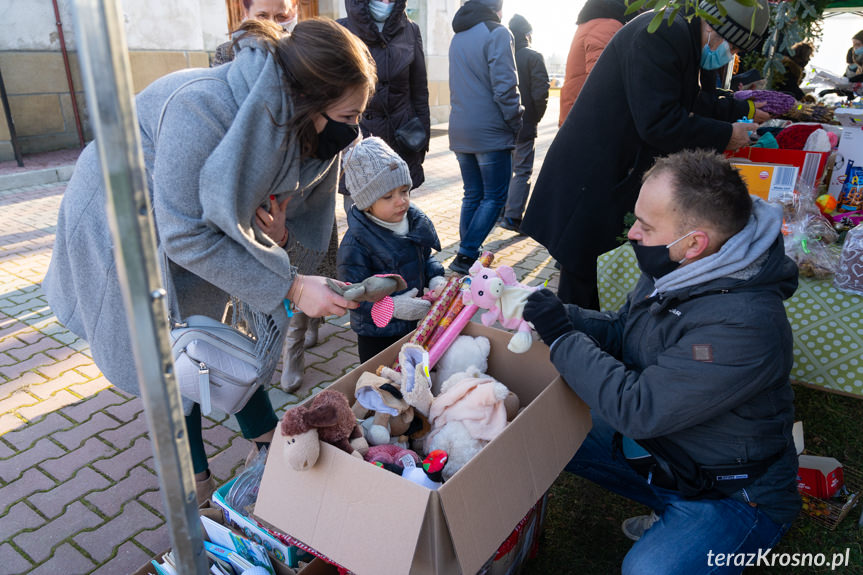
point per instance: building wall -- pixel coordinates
(162, 37)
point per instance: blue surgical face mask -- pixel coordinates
(715, 59)
(858, 51)
(380, 10)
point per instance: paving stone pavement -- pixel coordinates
(78, 484)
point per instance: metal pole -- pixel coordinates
(108, 86)
(62, 38)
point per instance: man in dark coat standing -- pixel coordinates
(533, 87)
(641, 100)
(485, 116)
(402, 92)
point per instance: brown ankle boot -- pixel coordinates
(292, 355)
(204, 489)
(311, 339)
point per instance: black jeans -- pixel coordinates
(369, 346)
(579, 289)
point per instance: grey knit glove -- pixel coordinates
(409, 307)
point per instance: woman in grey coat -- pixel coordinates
(242, 165)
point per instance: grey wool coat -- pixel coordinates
(215, 147)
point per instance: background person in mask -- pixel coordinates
(641, 100)
(402, 92)
(854, 58)
(282, 12)
(243, 201)
(694, 368)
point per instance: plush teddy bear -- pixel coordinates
(326, 417)
(387, 416)
(464, 352)
(497, 291)
(469, 412)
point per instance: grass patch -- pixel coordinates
(582, 531)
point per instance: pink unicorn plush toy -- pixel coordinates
(497, 291)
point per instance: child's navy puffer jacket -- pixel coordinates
(369, 249)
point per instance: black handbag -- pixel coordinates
(412, 135)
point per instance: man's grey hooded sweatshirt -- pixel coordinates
(215, 147)
(701, 359)
(485, 113)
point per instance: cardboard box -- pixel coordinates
(281, 551)
(374, 522)
(768, 181)
(819, 476)
(811, 164)
(850, 149)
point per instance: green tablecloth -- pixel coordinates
(827, 323)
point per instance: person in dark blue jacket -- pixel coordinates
(386, 235)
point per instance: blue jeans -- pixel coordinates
(486, 183)
(688, 529)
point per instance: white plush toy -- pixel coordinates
(470, 411)
(464, 352)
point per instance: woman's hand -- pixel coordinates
(272, 222)
(312, 296)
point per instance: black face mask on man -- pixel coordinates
(335, 137)
(655, 261)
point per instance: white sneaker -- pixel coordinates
(635, 527)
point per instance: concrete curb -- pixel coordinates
(36, 177)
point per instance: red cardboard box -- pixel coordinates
(811, 164)
(819, 476)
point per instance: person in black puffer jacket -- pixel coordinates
(386, 235)
(688, 382)
(533, 87)
(402, 92)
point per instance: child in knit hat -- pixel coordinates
(386, 235)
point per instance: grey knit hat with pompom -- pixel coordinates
(372, 170)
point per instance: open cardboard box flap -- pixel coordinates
(374, 522)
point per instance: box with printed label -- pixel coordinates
(819, 476)
(810, 164)
(767, 181)
(374, 522)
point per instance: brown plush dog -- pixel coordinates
(327, 417)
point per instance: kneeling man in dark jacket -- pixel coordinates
(689, 381)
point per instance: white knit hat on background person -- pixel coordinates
(372, 170)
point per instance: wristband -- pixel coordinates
(751, 110)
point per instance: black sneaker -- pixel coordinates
(511, 224)
(461, 264)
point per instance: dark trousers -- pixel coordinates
(579, 289)
(256, 418)
(369, 346)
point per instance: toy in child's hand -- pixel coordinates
(371, 289)
(392, 419)
(326, 417)
(497, 291)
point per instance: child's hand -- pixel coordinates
(409, 307)
(437, 285)
(272, 222)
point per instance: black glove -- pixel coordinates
(548, 315)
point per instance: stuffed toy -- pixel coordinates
(469, 412)
(464, 352)
(326, 417)
(387, 416)
(497, 291)
(413, 377)
(371, 289)
(430, 475)
(391, 455)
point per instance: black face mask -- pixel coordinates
(335, 137)
(655, 261)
